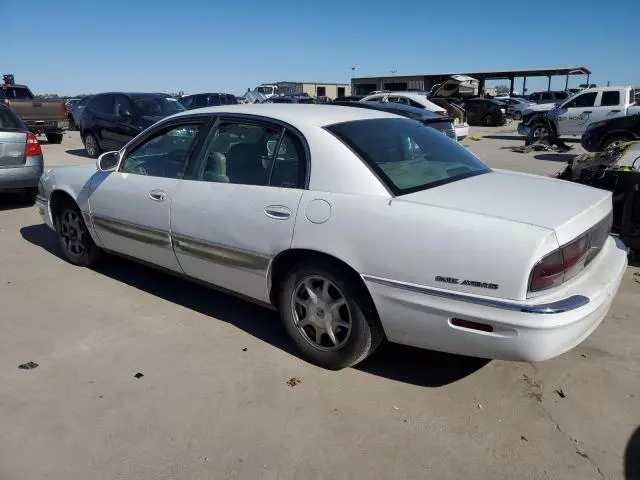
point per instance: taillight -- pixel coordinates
(561, 265)
(65, 109)
(442, 113)
(7, 103)
(32, 147)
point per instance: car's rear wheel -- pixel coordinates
(517, 115)
(75, 240)
(328, 315)
(488, 120)
(55, 138)
(91, 145)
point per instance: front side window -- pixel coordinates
(610, 99)
(122, 106)
(156, 106)
(547, 96)
(401, 100)
(584, 100)
(163, 155)
(408, 156)
(187, 102)
(375, 98)
(214, 100)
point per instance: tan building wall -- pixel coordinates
(330, 89)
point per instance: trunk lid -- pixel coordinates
(569, 209)
(451, 86)
(12, 148)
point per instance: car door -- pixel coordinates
(130, 207)
(124, 127)
(101, 111)
(611, 104)
(573, 116)
(239, 211)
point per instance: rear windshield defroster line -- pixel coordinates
(408, 156)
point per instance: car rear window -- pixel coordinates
(16, 93)
(10, 122)
(407, 155)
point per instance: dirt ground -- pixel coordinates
(216, 399)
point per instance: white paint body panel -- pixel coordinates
(489, 228)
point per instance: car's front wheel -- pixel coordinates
(329, 315)
(540, 130)
(517, 116)
(75, 240)
(615, 141)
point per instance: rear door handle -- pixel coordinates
(277, 212)
(615, 111)
(158, 195)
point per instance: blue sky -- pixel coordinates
(217, 45)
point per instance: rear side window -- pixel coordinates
(562, 95)
(9, 121)
(407, 155)
(610, 99)
(214, 100)
(16, 93)
(102, 104)
(187, 102)
(547, 96)
(200, 101)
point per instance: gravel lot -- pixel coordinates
(214, 400)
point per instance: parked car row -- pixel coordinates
(319, 182)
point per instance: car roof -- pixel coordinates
(134, 94)
(297, 113)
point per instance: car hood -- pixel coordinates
(540, 107)
(569, 209)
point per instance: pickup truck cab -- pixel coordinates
(574, 115)
(41, 116)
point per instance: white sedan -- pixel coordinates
(420, 100)
(356, 224)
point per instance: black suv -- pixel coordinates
(201, 100)
(110, 120)
(487, 112)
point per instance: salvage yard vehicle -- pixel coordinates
(21, 161)
(110, 120)
(43, 117)
(430, 119)
(421, 100)
(573, 116)
(515, 106)
(444, 95)
(602, 135)
(548, 97)
(201, 100)
(485, 111)
(356, 224)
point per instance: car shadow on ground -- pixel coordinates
(555, 157)
(404, 364)
(13, 200)
(78, 152)
(522, 138)
(632, 457)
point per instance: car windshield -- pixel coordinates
(155, 106)
(407, 155)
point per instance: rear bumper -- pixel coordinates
(47, 126)
(462, 131)
(22, 176)
(558, 324)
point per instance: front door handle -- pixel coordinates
(614, 111)
(278, 212)
(158, 195)
(588, 111)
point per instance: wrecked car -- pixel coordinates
(612, 132)
(445, 94)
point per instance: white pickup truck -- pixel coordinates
(572, 116)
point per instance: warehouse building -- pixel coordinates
(314, 89)
(365, 85)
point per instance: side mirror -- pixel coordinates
(108, 161)
(126, 114)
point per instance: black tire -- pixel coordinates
(540, 130)
(365, 332)
(79, 248)
(55, 138)
(614, 140)
(91, 145)
(517, 116)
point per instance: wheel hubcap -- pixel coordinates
(540, 132)
(72, 232)
(321, 313)
(90, 143)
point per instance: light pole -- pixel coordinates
(353, 74)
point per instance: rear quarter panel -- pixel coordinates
(414, 243)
